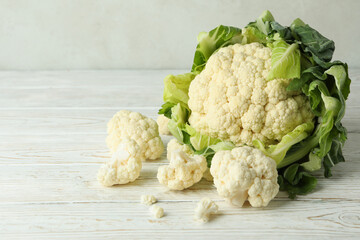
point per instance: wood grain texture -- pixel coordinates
(52, 142)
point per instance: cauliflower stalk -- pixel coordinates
(124, 165)
(245, 173)
(266, 86)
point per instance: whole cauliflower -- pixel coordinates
(245, 173)
(143, 130)
(162, 122)
(124, 166)
(183, 170)
(232, 100)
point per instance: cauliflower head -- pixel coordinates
(183, 170)
(232, 100)
(124, 166)
(245, 173)
(143, 130)
(162, 122)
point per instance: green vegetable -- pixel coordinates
(300, 53)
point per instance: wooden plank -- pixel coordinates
(90, 148)
(62, 121)
(137, 89)
(319, 219)
(83, 79)
(77, 182)
(40, 121)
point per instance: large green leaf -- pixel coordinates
(278, 151)
(176, 88)
(313, 42)
(219, 37)
(296, 181)
(285, 60)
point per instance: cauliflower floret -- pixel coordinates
(148, 199)
(245, 173)
(232, 100)
(176, 145)
(124, 165)
(183, 170)
(143, 130)
(204, 209)
(156, 211)
(162, 122)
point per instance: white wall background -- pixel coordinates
(112, 34)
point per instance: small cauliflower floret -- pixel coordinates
(148, 199)
(174, 145)
(204, 209)
(124, 165)
(183, 170)
(232, 100)
(156, 211)
(162, 122)
(143, 130)
(245, 173)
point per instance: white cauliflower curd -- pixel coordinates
(204, 209)
(183, 170)
(232, 100)
(245, 173)
(156, 211)
(162, 122)
(174, 145)
(148, 199)
(143, 130)
(124, 165)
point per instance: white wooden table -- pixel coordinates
(52, 142)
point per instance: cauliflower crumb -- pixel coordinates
(204, 209)
(183, 170)
(143, 130)
(245, 173)
(148, 199)
(124, 165)
(232, 100)
(156, 211)
(162, 122)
